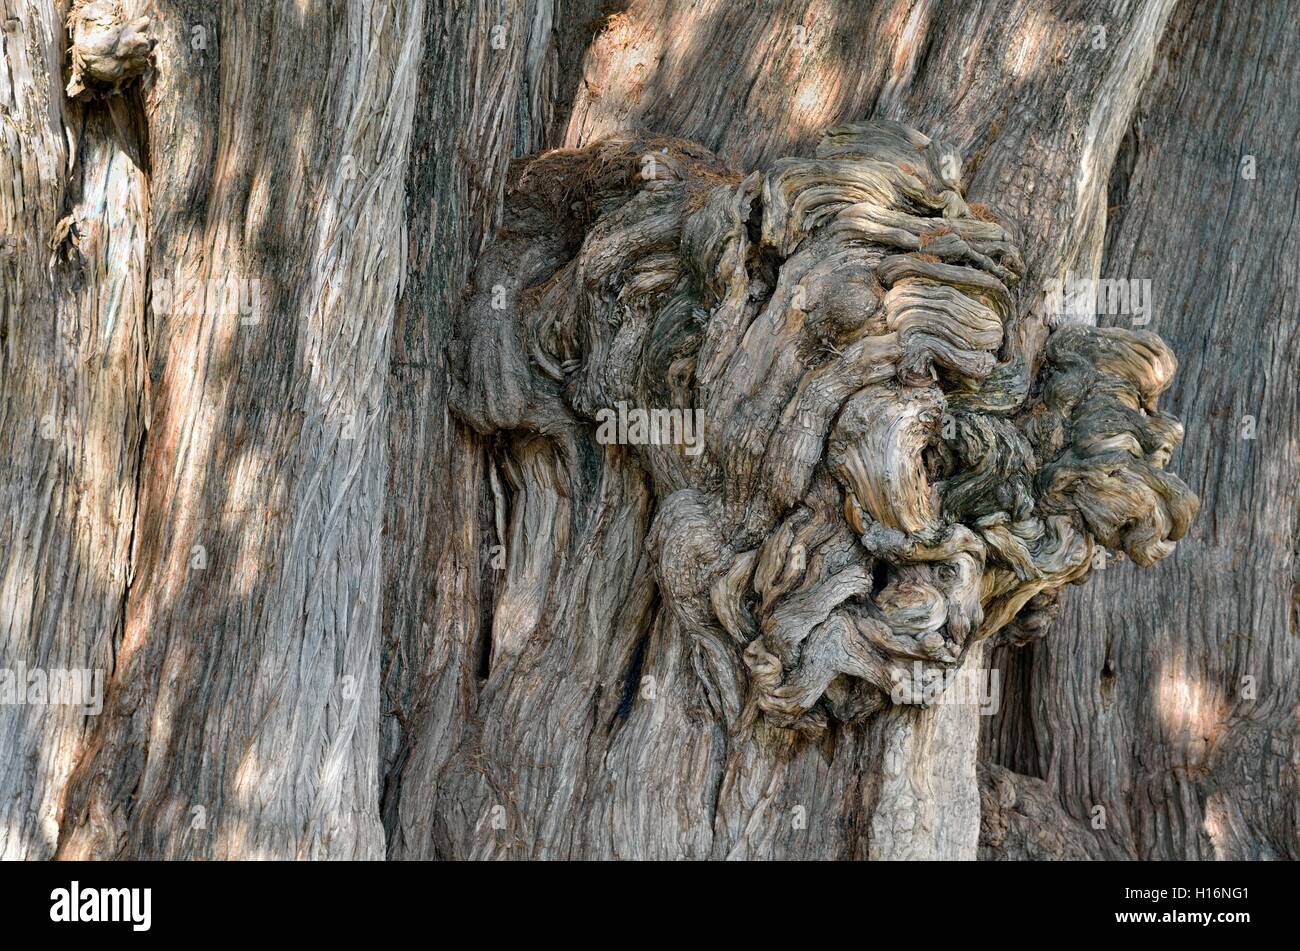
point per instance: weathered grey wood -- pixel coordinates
(807, 489)
(472, 115)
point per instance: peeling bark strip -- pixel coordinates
(875, 492)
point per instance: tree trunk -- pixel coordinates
(1168, 697)
(242, 628)
(355, 596)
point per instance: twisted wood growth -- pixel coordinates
(880, 485)
(108, 47)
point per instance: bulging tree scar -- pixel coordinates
(884, 478)
(108, 49)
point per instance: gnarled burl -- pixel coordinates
(885, 478)
(108, 47)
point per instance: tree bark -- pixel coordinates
(242, 711)
(73, 254)
(340, 616)
(1164, 703)
(602, 774)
